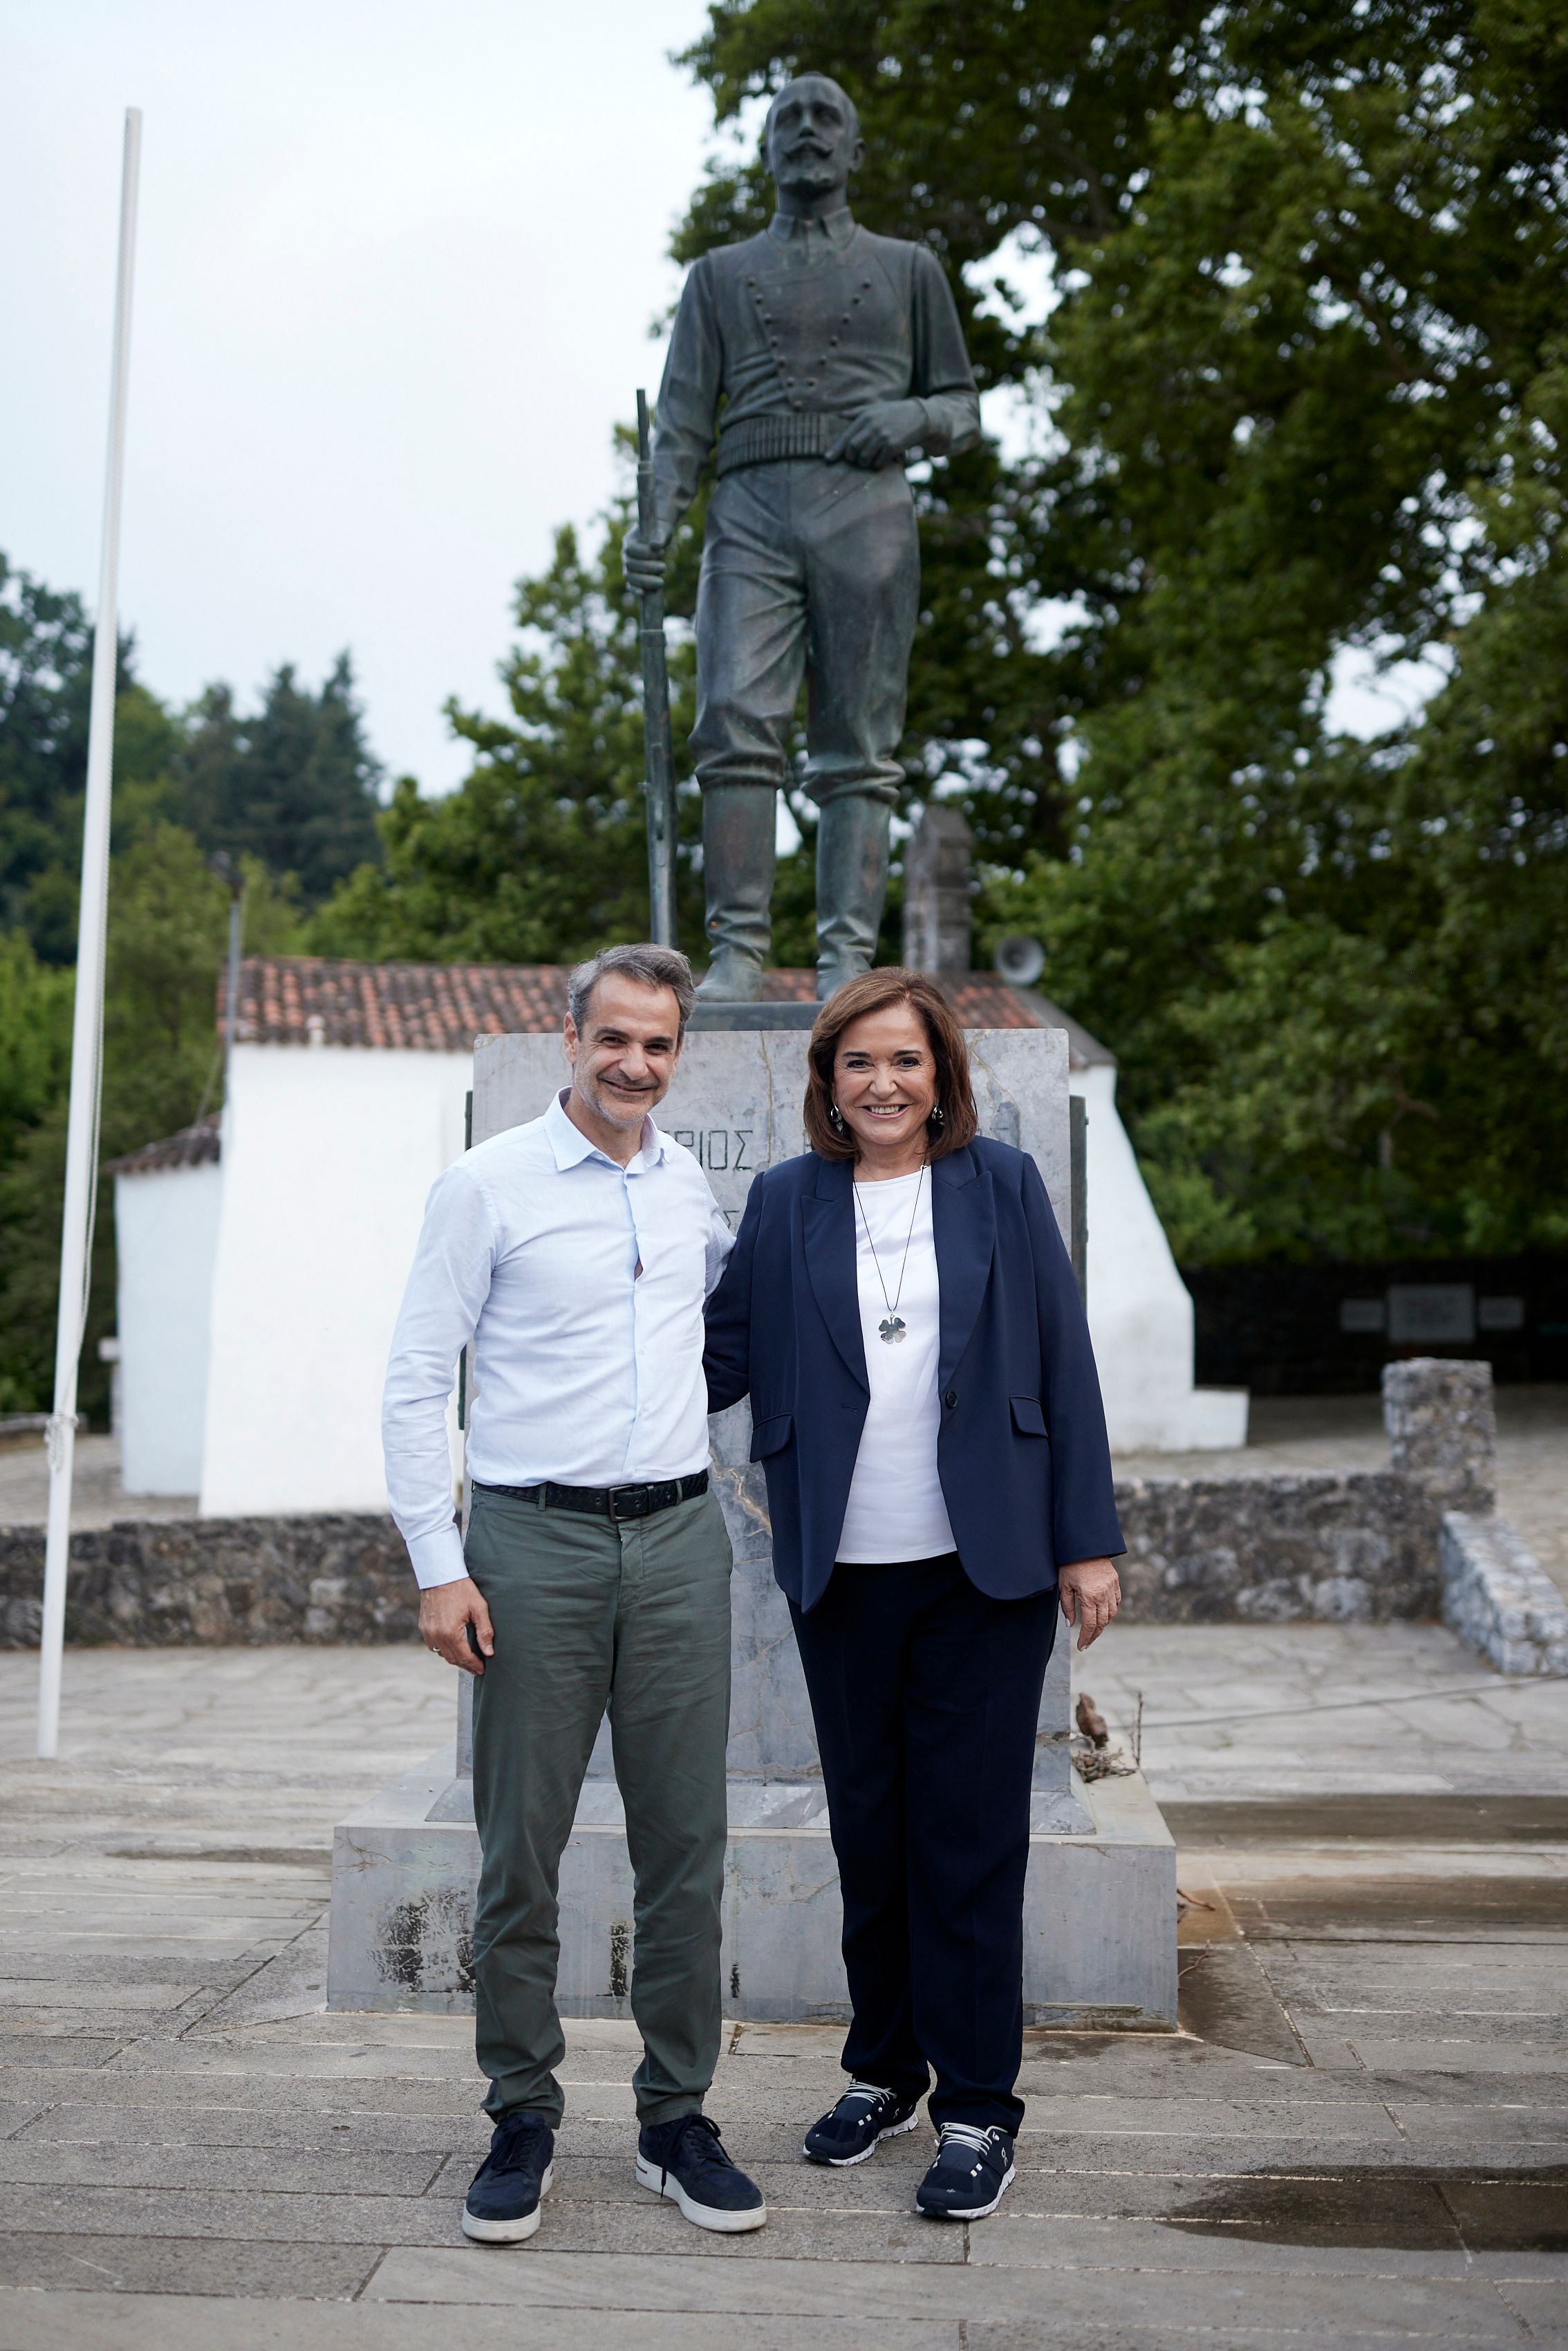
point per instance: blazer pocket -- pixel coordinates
(771, 1436)
(1028, 1417)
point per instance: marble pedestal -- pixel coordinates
(1100, 1904)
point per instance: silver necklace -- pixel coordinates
(892, 1330)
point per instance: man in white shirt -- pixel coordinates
(574, 1255)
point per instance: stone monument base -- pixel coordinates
(1099, 1909)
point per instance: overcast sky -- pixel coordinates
(396, 269)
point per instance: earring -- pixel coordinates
(835, 1118)
(938, 1118)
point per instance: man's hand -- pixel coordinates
(880, 434)
(445, 1612)
(1091, 1594)
(642, 562)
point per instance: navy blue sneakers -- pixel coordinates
(856, 2127)
(503, 2203)
(685, 2161)
(972, 2172)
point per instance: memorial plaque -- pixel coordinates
(1423, 1311)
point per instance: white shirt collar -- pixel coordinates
(571, 1146)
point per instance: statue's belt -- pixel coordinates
(772, 440)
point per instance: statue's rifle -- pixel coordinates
(660, 784)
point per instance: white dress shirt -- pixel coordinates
(580, 1284)
(895, 1506)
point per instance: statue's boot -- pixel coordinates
(739, 838)
(852, 883)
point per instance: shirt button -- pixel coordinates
(951, 1398)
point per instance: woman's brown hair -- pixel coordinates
(874, 991)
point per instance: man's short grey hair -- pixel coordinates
(650, 966)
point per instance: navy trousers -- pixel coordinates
(925, 1695)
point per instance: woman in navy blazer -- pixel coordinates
(901, 1312)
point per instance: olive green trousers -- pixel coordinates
(589, 1615)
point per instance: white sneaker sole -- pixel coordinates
(509, 2232)
(847, 2162)
(704, 2215)
(975, 2211)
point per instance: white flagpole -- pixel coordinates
(86, 1028)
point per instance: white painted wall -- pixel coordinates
(1140, 1310)
(328, 1153)
(166, 1232)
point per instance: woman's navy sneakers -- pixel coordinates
(972, 2172)
(857, 2126)
(503, 2204)
(685, 2161)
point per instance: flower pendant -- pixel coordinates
(892, 1331)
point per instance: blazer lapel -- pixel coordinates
(964, 1225)
(829, 1234)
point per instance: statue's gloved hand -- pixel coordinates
(880, 434)
(642, 562)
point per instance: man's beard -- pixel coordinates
(618, 1109)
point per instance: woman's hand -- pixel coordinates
(449, 1614)
(1091, 1594)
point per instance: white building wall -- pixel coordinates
(166, 1231)
(1140, 1310)
(328, 1154)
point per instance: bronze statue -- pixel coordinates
(836, 356)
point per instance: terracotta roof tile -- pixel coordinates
(441, 1007)
(193, 1146)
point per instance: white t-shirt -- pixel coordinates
(895, 1509)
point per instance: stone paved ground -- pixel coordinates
(98, 1498)
(1361, 2138)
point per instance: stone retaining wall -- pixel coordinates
(1199, 1550)
(157, 1582)
(1496, 1597)
(1360, 1547)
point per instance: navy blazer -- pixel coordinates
(1021, 1450)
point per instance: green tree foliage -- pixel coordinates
(541, 855)
(168, 920)
(168, 931)
(295, 785)
(1303, 387)
(45, 677)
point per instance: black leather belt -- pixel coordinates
(607, 1501)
